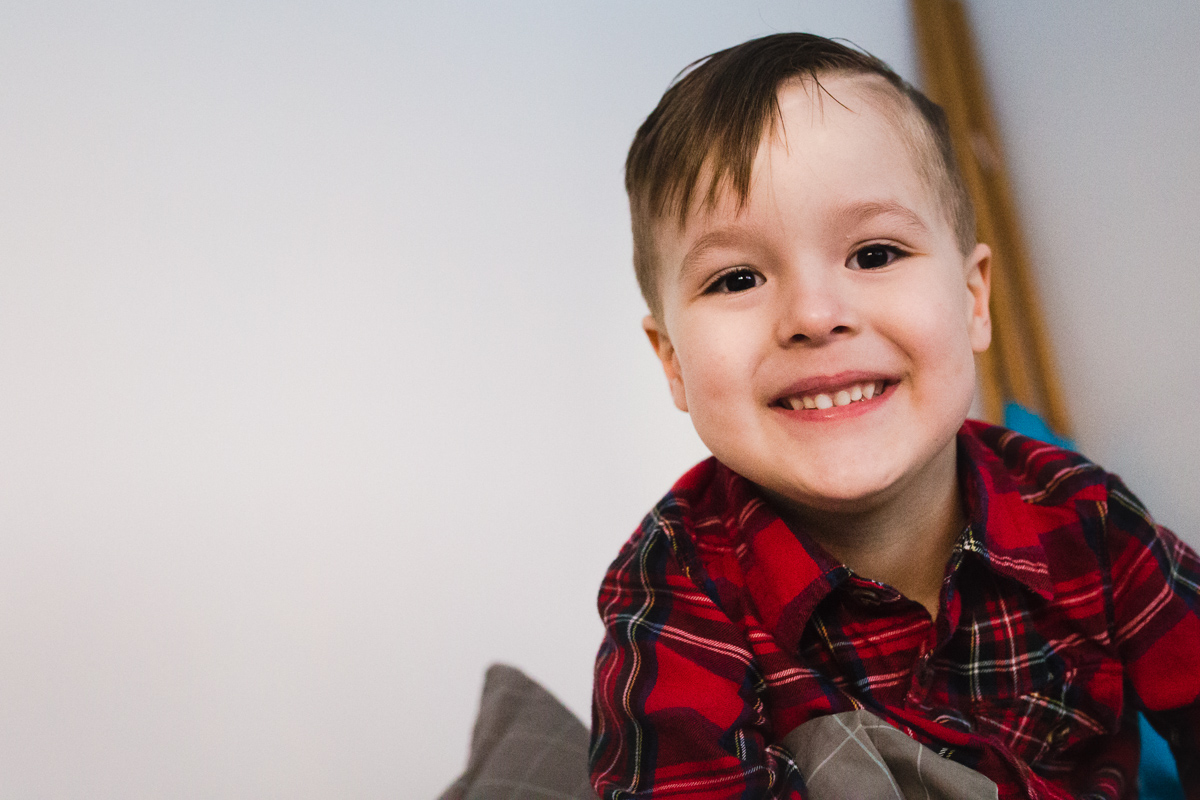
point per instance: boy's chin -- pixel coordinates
(831, 495)
(854, 487)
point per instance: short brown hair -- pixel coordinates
(712, 119)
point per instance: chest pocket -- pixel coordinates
(1041, 726)
(1041, 697)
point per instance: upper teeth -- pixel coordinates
(843, 397)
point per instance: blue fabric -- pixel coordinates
(1158, 778)
(1025, 422)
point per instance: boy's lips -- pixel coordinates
(831, 393)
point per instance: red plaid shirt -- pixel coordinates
(1064, 611)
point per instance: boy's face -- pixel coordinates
(839, 279)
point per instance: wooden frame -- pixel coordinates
(1019, 366)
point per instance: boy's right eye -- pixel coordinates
(735, 280)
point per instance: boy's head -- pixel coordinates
(806, 247)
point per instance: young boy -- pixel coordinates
(855, 546)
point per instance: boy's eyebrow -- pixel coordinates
(721, 237)
(852, 214)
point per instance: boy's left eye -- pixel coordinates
(874, 256)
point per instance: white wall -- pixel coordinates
(321, 381)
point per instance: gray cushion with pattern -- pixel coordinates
(525, 744)
(857, 754)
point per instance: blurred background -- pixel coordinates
(322, 384)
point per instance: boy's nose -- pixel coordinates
(815, 311)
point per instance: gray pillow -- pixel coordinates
(857, 754)
(525, 744)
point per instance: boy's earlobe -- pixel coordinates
(979, 284)
(666, 354)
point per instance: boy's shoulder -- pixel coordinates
(672, 528)
(1036, 512)
(1054, 502)
(1037, 472)
(703, 543)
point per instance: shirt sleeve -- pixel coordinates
(676, 706)
(1156, 615)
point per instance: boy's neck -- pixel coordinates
(904, 541)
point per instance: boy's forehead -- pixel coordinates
(828, 117)
(848, 126)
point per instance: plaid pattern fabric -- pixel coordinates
(1064, 611)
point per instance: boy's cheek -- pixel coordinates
(936, 326)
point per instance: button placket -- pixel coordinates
(925, 674)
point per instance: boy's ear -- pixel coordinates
(979, 284)
(665, 351)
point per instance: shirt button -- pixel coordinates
(866, 596)
(1058, 734)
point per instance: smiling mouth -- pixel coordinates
(862, 392)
